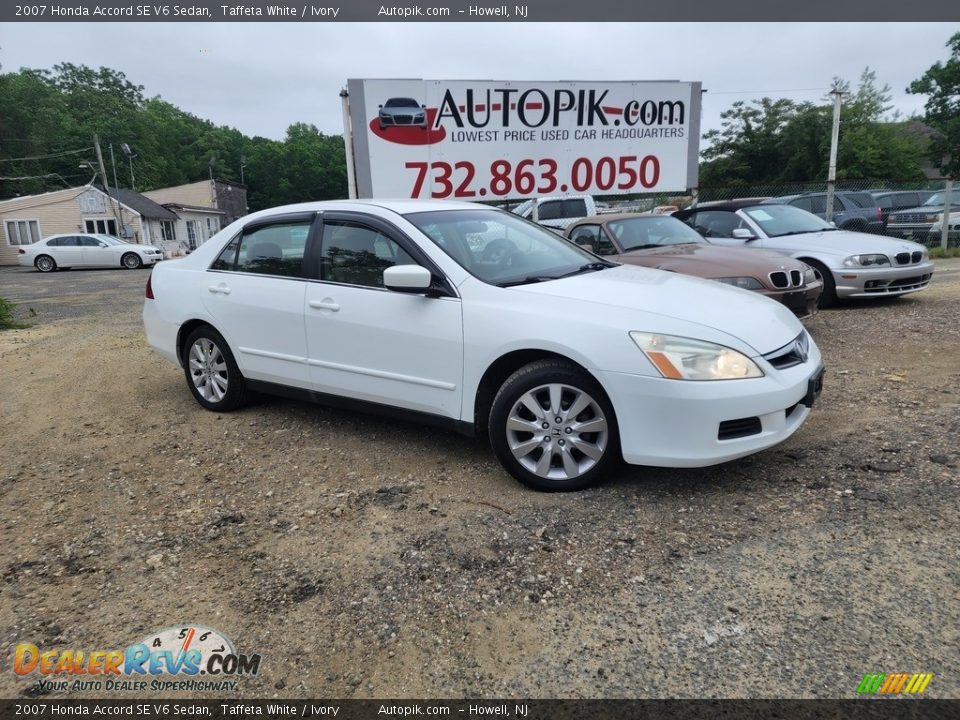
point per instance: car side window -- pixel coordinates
(586, 234)
(356, 254)
(89, 242)
(274, 249)
(69, 241)
(715, 223)
(818, 204)
(550, 210)
(227, 259)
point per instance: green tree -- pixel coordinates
(941, 83)
(777, 141)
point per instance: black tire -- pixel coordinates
(211, 372)
(131, 261)
(45, 263)
(550, 458)
(829, 295)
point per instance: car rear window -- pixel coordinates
(861, 199)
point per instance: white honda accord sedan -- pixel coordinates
(568, 363)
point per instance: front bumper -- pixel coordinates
(885, 281)
(802, 302)
(916, 232)
(675, 423)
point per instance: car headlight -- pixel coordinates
(747, 283)
(679, 358)
(866, 260)
(809, 276)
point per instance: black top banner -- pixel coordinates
(458, 11)
(473, 709)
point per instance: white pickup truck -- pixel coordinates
(558, 212)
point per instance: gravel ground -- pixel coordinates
(363, 557)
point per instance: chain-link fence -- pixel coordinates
(908, 209)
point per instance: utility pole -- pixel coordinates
(103, 174)
(834, 140)
(116, 190)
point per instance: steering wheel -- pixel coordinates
(499, 251)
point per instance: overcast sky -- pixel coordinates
(260, 78)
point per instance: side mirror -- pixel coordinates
(407, 278)
(744, 234)
(102, 244)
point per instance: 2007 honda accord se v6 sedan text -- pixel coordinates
(568, 362)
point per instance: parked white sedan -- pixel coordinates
(86, 250)
(568, 363)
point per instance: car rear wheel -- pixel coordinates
(212, 374)
(131, 261)
(45, 263)
(829, 295)
(553, 428)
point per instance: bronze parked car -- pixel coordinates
(665, 243)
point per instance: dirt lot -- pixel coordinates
(368, 558)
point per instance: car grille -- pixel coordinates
(793, 353)
(403, 119)
(782, 279)
(906, 258)
(910, 219)
(742, 427)
(880, 287)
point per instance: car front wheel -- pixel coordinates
(553, 428)
(829, 295)
(45, 263)
(212, 373)
(131, 261)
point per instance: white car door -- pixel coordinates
(66, 251)
(255, 292)
(369, 343)
(94, 255)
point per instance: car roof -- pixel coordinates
(607, 217)
(723, 205)
(401, 206)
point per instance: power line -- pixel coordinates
(45, 157)
(749, 92)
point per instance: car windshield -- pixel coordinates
(401, 103)
(779, 220)
(935, 199)
(653, 231)
(502, 249)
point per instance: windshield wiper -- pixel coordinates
(588, 267)
(528, 280)
(802, 232)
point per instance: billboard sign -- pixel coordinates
(488, 140)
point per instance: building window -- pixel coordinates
(168, 230)
(22, 232)
(213, 226)
(104, 227)
(192, 234)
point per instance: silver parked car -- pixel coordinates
(852, 264)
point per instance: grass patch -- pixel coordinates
(6, 316)
(950, 252)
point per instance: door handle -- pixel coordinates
(221, 288)
(325, 304)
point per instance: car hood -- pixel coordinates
(842, 242)
(720, 310)
(711, 261)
